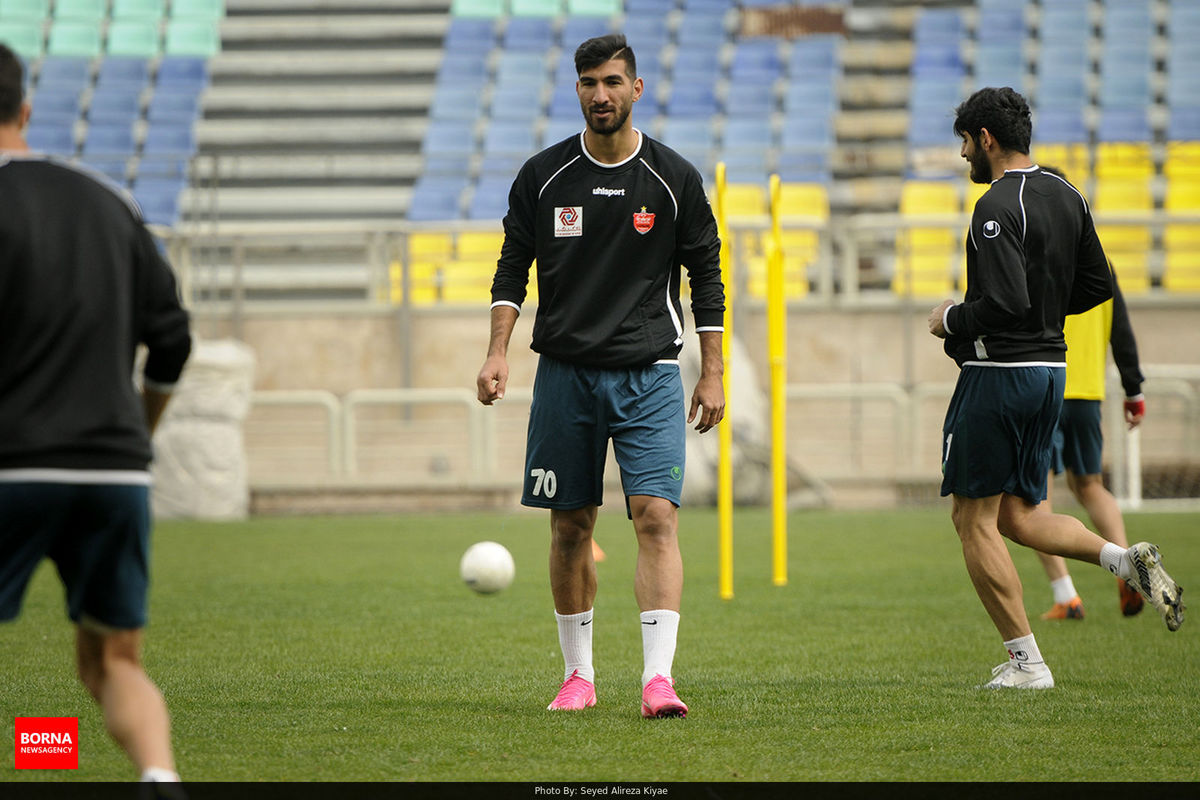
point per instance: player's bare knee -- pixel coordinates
(654, 518)
(572, 528)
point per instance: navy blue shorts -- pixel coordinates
(999, 430)
(576, 410)
(1079, 439)
(98, 535)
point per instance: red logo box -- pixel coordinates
(47, 743)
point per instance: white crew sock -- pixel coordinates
(1115, 559)
(159, 775)
(660, 628)
(575, 639)
(1024, 650)
(1064, 589)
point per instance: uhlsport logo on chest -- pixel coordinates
(643, 221)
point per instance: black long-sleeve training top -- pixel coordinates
(609, 240)
(81, 286)
(1032, 258)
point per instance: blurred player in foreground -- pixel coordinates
(81, 286)
(610, 215)
(1032, 258)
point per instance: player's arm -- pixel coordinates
(1003, 296)
(1125, 354)
(1093, 281)
(493, 376)
(708, 399)
(165, 328)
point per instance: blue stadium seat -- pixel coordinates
(450, 138)
(1061, 90)
(938, 25)
(1060, 125)
(1184, 124)
(558, 129)
(695, 66)
(645, 34)
(436, 198)
(455, 102)
(170, 139)
(517, 101)
(529, 33)
(577, 30)
(743, 133)
(65, 72)
(813, 55)
(745, 167)
(520, 67)
(564, 103)
(470, 33)
(655, 8)
(936, 93)
(816, 97)
(54, 137)
(1124, 125)
(1001, 24)
(509, 138)
(120, 104)
(490, 199)
(166, 105)
(182, 72)
(123, 71)
(804, 165)
(701, 29)
(750, 100)
(691, 100)
(806, 131)
(1126, 88)
(55, 105)
(159, 199)
(109, 140)
(115, 168)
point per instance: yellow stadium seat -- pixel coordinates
(424, 282)
(1072, 160)
(971, 194)
(745, 200)
(433, 246)
(1181, 240)
(1182, 160)
(801, 246)
(467, 281)
(1127, 245)
(1124, 160)
(808, 199)
(479, 245)
(927, 257)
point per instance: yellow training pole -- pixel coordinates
(725, 429)
(777, 357)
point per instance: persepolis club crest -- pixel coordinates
(643, 221)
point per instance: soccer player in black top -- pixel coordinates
(610, 215)
(1032, 258)
(81, 286)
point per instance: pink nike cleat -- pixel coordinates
(576, 694)
(659, 699)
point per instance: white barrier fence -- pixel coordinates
(414, 438)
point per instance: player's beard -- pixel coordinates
(981, 168)
(615, 121)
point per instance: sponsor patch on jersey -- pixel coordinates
(991, 229)
(643, 221)
(568, 221)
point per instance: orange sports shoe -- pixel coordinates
(1073, 609)
(1131, 599)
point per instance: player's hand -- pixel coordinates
(935, 319)
(1135, 410)
(493, 378)
(710, 396)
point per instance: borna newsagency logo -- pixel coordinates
(46, 743)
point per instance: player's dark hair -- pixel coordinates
(12, 85)
(1002, 111)
(601, 49)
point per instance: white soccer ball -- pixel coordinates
(487, 567)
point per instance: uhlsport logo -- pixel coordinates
(643, 221)
(991, 229)
(47, 743)
(568, 221)
(676, 473)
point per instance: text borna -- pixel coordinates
(46, 738)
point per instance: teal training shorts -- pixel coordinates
(577, 410)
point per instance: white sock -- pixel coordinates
(659, 631)
(1064, 589)
(1114, 558)
(575, 639)
(1024, 650)
(159, 775)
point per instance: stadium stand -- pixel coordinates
(927, 258)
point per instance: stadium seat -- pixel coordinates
(750, 101)
(436, 198)
(701, 30)
(450, 137)
(158, 199)
(688, 100)
(535, 8)
(170, 139)
(73, 38)
(1073, 160)
(169, 106)
(503, 137)
(1124, 160)
(190, 37)
(26, 10)
(138, 10)
(478, 245)
(1181, 241)
(490, 199)
(202, 10)
(1129, 246)
(528, 33)
(455, 102)
(54, 137)
(133, 38)
(488, 9)
(1060, 125)
(1124, 125)
(182, 73)
(115, 168)
(91, 11)
(927, 258)
(560, 128)
(116, 104)
(972, 191)
(57, 106)
(747, 134)
(109, 140)
(114, 72)
(520, 102)
(24, 37)
(1184, 124)
(579, 28)
(745, 200)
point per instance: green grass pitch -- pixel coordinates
(346, 648)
